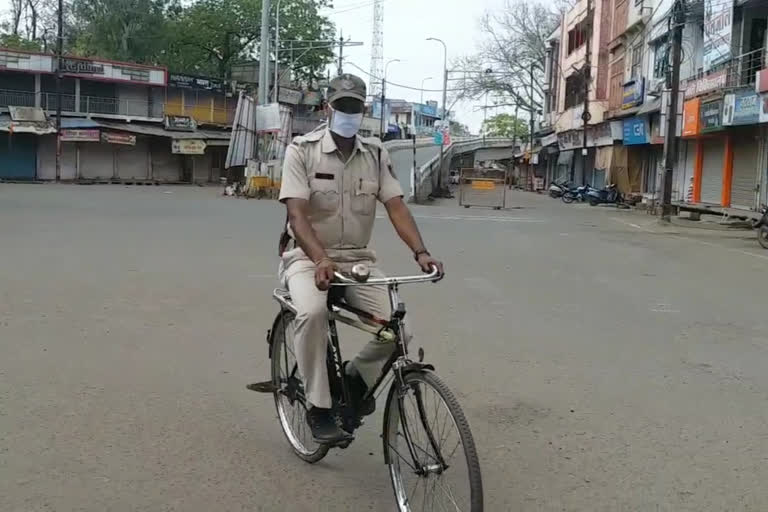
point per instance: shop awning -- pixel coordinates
(650, 106)
(159, 131)
(34, 127)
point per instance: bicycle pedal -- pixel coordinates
(263, 387)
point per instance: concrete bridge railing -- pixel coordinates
(424, 180)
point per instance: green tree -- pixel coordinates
(16, 42)
(129, 30)
(505, 125)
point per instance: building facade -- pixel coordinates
(723, 114)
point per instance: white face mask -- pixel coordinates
(345, 125)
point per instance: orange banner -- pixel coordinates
(691, 117)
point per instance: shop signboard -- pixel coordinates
(113, 71)
(123, 138)
(311, 98)
(183, 81)
(718, 25)
(549, 140)
(180, 124)
(705, 84)
(633, 93)
(764, 108)
(635, 131)
(425, 109)
(656, 137)
(711, 116)
(286, 95)
(691, 117)
(761, 81)
(73, 135)
(188, 146)
(741, 107)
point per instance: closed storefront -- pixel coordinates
(46, 159)
(713, 155)
(132, 161)
(712, 171)
(165, 165)
(745, 174)
(96, 161)
(18, 156)
(563, 166)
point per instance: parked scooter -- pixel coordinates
(576, 194)
(762, 227)
(608, 195)
(558, 189)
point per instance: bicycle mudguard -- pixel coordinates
(417, 367)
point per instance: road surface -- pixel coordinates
(603, 365)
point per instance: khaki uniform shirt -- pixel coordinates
(342, 195)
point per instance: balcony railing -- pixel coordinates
(115, 106)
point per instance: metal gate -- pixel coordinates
(483, 187)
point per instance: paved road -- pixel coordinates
(402, 161)
(604, 365)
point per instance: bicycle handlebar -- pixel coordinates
(342, 280)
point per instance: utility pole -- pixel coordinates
(514, 144)
(586, 116)
(277, 51)
(59, 65)
(341, 53)
(383, 93)
(485, 116)
(530, 134)
(673, 84)
(264, 54)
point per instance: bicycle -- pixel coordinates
(415, 443)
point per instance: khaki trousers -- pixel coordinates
(311, 326)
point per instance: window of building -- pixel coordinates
(577, 37)
(574, 90)
(637, 61)
(660, 59)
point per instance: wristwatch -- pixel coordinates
(419, 253)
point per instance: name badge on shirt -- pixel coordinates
(322, 176)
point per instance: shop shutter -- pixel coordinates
(96, 160)
(132, 160)
(165, 165)
(744, 172)
(18, 156)
(712, 171)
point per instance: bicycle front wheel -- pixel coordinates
(429, 448)
(289, 391)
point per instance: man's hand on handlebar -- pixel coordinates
(324, 273)
(426, 262)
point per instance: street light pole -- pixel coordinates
(383, 92)
(439, 192)
(59, 62)
(277, 47)
(421, 100)
(264, 54)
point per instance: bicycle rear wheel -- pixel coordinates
(428, 445)
(289, 391)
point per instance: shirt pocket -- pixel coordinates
(364, 197)
(324, 195)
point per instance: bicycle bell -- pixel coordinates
(361, 272)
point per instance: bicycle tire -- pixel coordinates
(393, 422)
(293, 422)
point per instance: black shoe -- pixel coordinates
(324, 428)
(357, 390)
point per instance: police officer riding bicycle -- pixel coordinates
(331, 181)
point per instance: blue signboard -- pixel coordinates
(438, 138)
(741, 107)
(633, 93)
(425, 110)
(635, 131)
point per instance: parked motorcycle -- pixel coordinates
(608, 195)
(558, 189)
(762, 227)
(576, 194)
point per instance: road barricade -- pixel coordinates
(483, 187)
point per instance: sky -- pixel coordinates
(407, 24)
